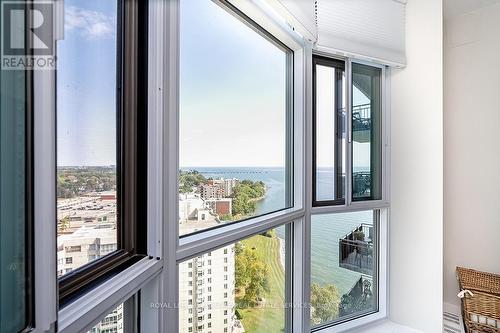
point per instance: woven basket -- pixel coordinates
(484, 305)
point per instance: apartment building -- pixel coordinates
(207, 290)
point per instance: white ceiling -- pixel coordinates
(453, 8)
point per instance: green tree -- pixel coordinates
(251, 275)
(190, 179)
(325, 303)
(64, 223)
(259, 282)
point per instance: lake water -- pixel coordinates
(326, 230)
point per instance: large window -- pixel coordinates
(347, 169)
(268, 227)
(100, 140)
(236, 288)
(235, 149)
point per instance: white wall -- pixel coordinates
(472, 144)
(416, 226)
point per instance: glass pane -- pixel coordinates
(233, 102)
(87, 134)
(112, 323)
(13, 256)
(343, 266)
(123, 319)
(330, 133)
(237, 288)
(366, 133)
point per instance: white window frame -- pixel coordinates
(156, 277)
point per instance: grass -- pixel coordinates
(270, 316)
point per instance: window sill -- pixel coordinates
(84, 312)
(386, 326)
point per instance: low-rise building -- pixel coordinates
(86, 244)
(220, 206)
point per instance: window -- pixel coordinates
(366, 133)
(329, 112)
(255, 298)
(235, 152)
(16, 198)
(87, 121)
(343, 272)
(71, 249)
(347, 151)
(101, 132)
(329, 137)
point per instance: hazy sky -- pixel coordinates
(232, 89)
(232, 92)
(86, 84)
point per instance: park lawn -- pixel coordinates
(270, 317)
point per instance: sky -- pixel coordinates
(86, 84)
(232, 89)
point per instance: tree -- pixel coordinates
(259, 282)
(241, 264)
(325, 303)
(251, 275)
(244, 196)
(64, 223)
(190, 179)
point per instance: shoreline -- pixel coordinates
(257, 199)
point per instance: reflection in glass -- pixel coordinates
(343, 266)
(366, 133)
(237, 288)
(329, 131)
(233, 118)
(13, 209)
(86, 134)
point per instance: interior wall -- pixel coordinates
(416, 226)
(472, 144)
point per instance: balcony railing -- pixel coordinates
(356, 250)
(361, 117)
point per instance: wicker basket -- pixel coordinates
(481, 312)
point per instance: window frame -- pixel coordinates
(381, 140)
(132, 90)
(157, 275)
(340, 124)
(382, 205)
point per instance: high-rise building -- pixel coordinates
(207, 291)
(229, 185)
(212, 191)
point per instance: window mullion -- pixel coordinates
(349, 142)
